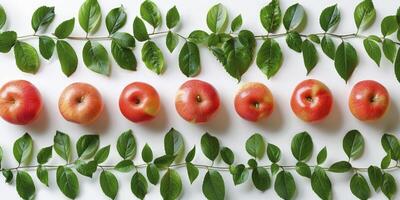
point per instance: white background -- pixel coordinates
(226, 125)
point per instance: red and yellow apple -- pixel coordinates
(196, 101)
(80, 103)
(368, 100)
(139, 102)
(254, 101)
(311, 100)
(20, 102)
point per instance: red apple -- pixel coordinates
(80, 103)
(311, 100)
(139, 102)
(196, 101)
(368, 100)
(20, 102)
(254, 101)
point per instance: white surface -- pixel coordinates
(227, 126)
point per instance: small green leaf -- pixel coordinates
(389, 25)
(345, 60)
(43, 175)
(198, 37)
(310, 55)
(314, 38)
(147, 153)
(294, 41)
(321, 184)
(217, 18)
(89, 15)
(261, 178)
(123, 39)
(109, 184)
(171, 41)
(303, 169)
(294, 17)
(302, 146)
(125, 166)
(322, 156)
(213, 185)
(102, 154)
(7, 41)
(373, 50)
(46, 46)
(139, 185)
(123, 56)
(173, 17)
(3, 17)
(22, 148)
(26, 57)
(252, 163)
(389, 186)
(386, 161)
(285, 186)
(42, 16)
(164, 161)
(375, 176)
(239, 174)
(391, 145)
(274, 168)
(189, 59)
(67, 57)
(152, 174)
(153, 57)
(359, 187)
(86, 169)
(193, 172)
(150, 13)
(139, 30)
(44, 155)
(95, 57)
(87, 146)
(389, 49)
(328, 47)
(8, 175)
(271, 16)
(126, 145)
(364, 14)
(191, 154)
(269, 58)
(65, 29)
(67, 181)
(340, 167)
(227, 155)
(25, 186)
(115, 19)
(255, 146)
(273, 152)
(62, 145)
(329, 17)
(171, 185)
(236, 23)
(210, 146)
(397, 66)
(173, 142)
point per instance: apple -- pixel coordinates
(139, 102)
(196, 101)
(368, 100)
(254, 101)
(80, 103)
(20, 102)
(311, 100)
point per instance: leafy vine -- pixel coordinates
(162, 169)
(234, 49)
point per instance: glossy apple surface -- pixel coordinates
(254, 101)
(369, 100)
(311, 100)
(139, 102)
(20, 102)
(196, 101)
(80, 103)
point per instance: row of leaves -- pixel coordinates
(234, 49)
(91, 158)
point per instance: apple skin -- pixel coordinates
(139, 102)
(20, 102)
(254, 101)
(80, 103)
(311, 100)
(196, 101)
(368, 100)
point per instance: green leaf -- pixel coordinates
(255, 146)
(294, 17)
(389, 49)
(314, 38)
(193, 172)
(213, 185)
(95, 57)
(86, 169)
(171, 185)
(102, 154)
(3, 17)
(62, 145)
(328, 47)
(173, 142)
(153, 57)
(345, 60)
(322, 156)
(329, 17)
(397, 66)
(8, 175)
(147, 153)
(217, 18)
(359, 186)
(271, 16)
(373, 50)
(139, 30)
(171, 41)
(173, 17)
(294, 41)
(44, 155)
(302, 146)
(43, 175)
(310, 55)
(115, 19)
(7, 41)
(89, 15)
(164, 161)
(150, 13)
(25, 186)
(26, 57)
(109, 184)
(303, 169)
(398, 16)
(46, 46)
(189, 59)
(389, 186)
(67, 181)
(239, 174)
(391, 145)
(123, 39)
(42, 16)
(261, 178)
(364, 14)
(1, 155)
(152, 174)
(340, 167)
(198, 37)
(273, 152)
(87, 146)
(285, 186)
(139, 185)
(375, 176)
(123, 56)
(269, 58)
(191, 154)
(125, 166)
(386, 161)
(65, 28)
(209, 146)
(22, 148)
(389, 25)
(67, 57)
(236, 23)
(126, 145)
(321, 184)
(227, 155)
(274, 168)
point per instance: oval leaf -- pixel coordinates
(109, 184)
(285, 186)
(95, 57)
(67, 57)
(269, 58)
(293, 17)
(153, 57)
(115, 19)
(213, 186)
(302, 146)
(26, 57)
(271, 16)
(89, 15)
(67, 181)
(171, 185)
(217, 18)
(65, 29)
(345, 60)
(25, 186)
(150, 13)
(329, 17)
